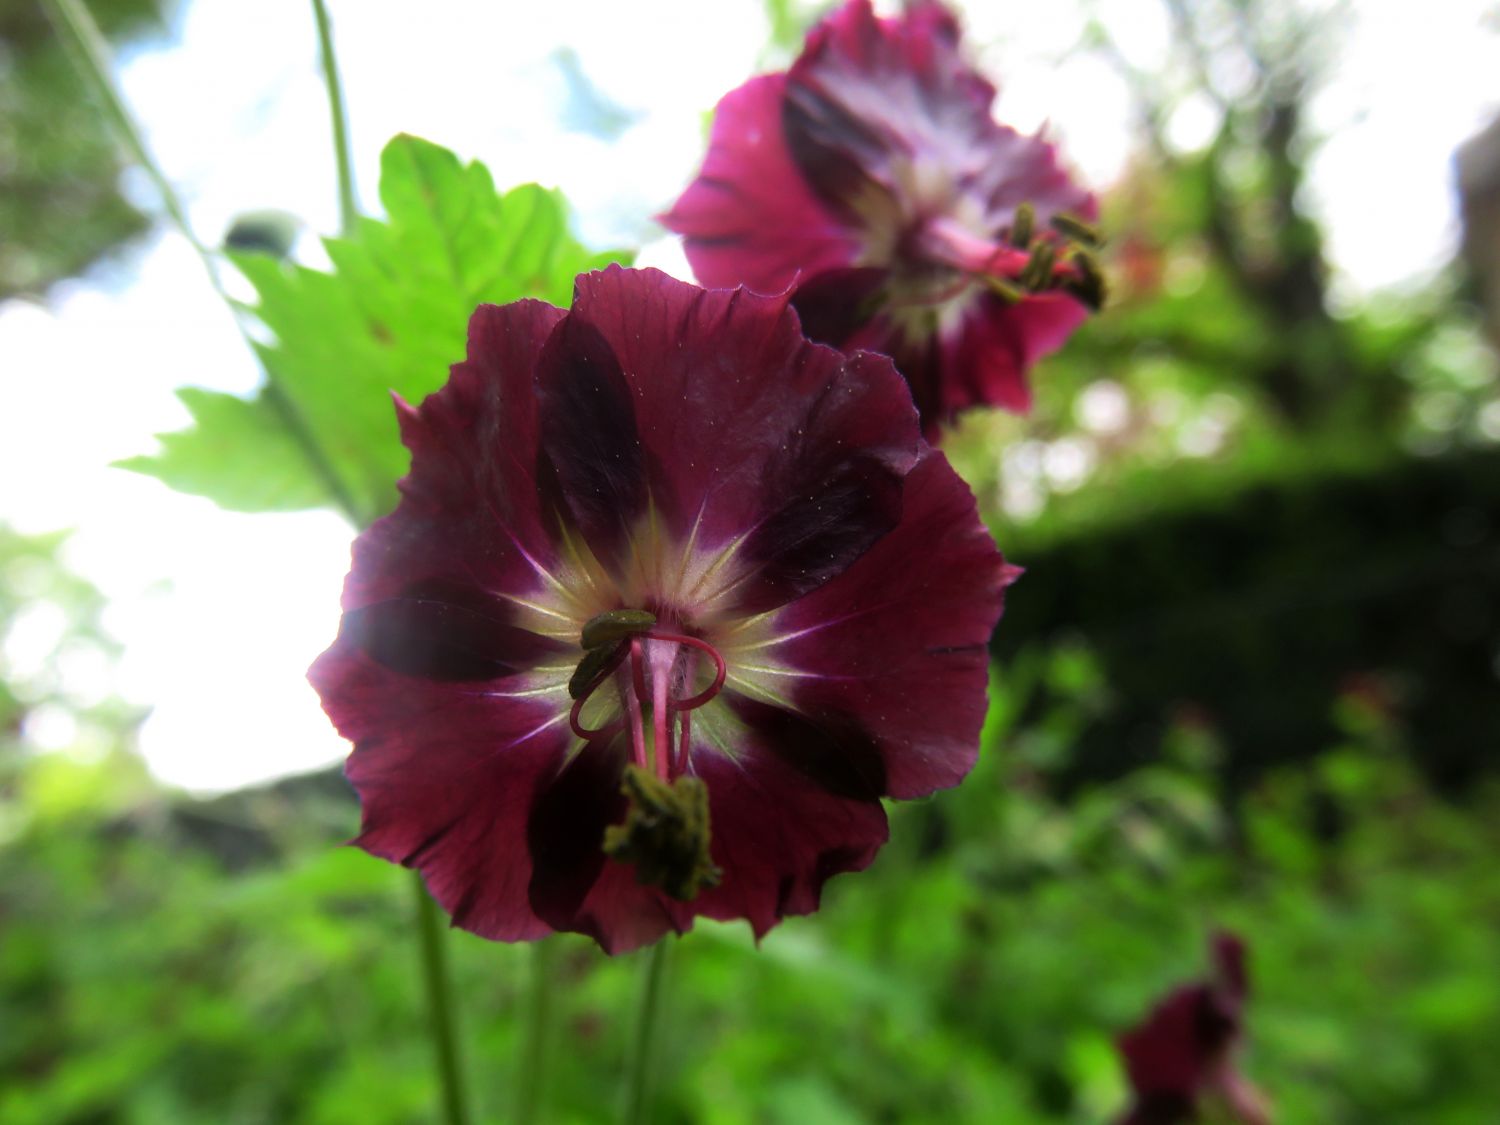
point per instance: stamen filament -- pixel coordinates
(633, 705)
(661, 675)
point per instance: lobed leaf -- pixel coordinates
(391, 316)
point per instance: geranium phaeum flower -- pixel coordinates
(672, 599)
(1180, 1061)
(872, 176)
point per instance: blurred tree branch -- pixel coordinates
(60, 203)
(1246, 183)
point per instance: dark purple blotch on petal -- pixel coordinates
(845, 507)
(832, 749)
(589, 435)
(833, 148)
(566, 830)
(442, 631)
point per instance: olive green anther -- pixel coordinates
(665, 833)
(1089, 286)
(1038, 272)
(1079, 230)
(1007, 291)
(1023, 226)
(615, 625)
(594, 662)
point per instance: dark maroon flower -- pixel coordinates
(873, 177)
(671, 600)
(1181, 1060)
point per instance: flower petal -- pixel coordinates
(778, 833)
(574, 887)
(469, 514)
(589, 435)
(446, 775)
(752, 435)
(893, 102)
(901, 638)
(987, 356)
(445, 631)
(749, 217)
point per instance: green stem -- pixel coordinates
(348, 209)
(536, 1048)
(430, 935)
(90, 53)
(642, 1063)
(86, 46)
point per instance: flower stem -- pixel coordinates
(439, 1011)
(536, 1048)
(348, 208)
(86, 45)
(638, 1075)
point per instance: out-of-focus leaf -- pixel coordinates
(239, 452)
(390, 317)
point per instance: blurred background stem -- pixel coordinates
(536, 1046)
(439, 1010)
(348, 209)
(641, 1061)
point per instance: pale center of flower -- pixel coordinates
(662, 636)
(656, 673)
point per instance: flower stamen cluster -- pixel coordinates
(1020, 262)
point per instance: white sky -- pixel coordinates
(221, 613)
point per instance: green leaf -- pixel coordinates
(392, 316)
(239, 452)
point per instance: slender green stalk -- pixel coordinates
(536, 1048)
(641, 1067)
(348, 209)
(90, 53)
(86, 46)
(430, 935)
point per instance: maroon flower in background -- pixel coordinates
(872, 176)
(1181, 1060)
(671, 600)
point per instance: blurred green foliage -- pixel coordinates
(60, 204)
(390, 317)
(1257, 608)
(171, 961)
(56, 657)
